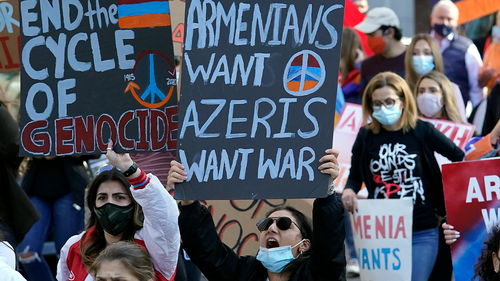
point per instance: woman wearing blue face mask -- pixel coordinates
(288, 248)
(422, 57)
(394, 156)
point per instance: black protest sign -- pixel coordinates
(93, 71)
(258, 97)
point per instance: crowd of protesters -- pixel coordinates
(134, 227)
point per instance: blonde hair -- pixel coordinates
(450, 107)
(408, 119)
(350, 44)
(411, 76)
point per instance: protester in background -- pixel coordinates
(288, 248)
(483, 29)
(487, 113)
(362, 5)
(423, 56)
(491, 66)
(8, 262)
(17, 213)
(56, 187)
(116, 211)
(461, 58)
(352, 53)
(479, 30)
(390, 105)
(123, 261)
(381, 26)
(435, 98)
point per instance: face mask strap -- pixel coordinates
(300, 242)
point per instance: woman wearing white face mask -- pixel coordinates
(422, 57)
(289, 251)
(435, 98)
(394, 156)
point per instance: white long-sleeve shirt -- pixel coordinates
(8, 263)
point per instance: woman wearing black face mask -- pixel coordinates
(117, 198)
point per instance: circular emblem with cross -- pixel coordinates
(304, 73)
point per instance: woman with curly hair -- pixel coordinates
(487, 267)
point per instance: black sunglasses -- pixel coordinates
(283, 223)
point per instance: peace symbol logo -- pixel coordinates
(157, 93)
(304, 73)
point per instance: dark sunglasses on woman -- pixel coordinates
(283, 223)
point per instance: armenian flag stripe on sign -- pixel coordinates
(143, 13)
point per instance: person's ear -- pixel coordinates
(390, 32)
(306, 245)
(496, 262)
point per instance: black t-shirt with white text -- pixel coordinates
(398, 173)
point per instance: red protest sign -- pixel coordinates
(472, 193)
(459, 133)
(344, 136)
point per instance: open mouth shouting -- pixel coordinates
(272, 243)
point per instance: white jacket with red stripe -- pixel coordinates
(159, 236)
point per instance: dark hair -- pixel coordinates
(3, 99)
(397, 31)
(350, 44)
(306, 231)
(131, 256)
(484, 267)
(93, 241)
